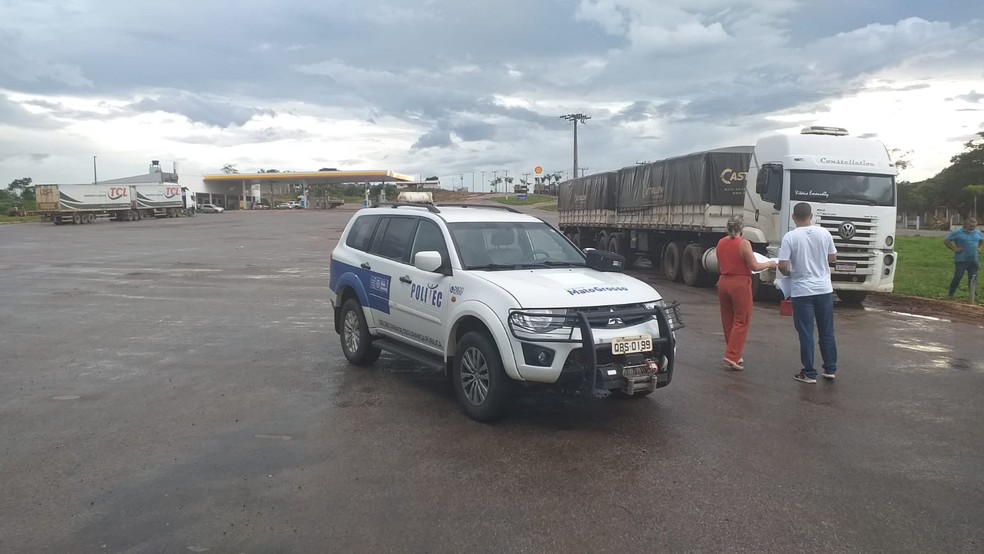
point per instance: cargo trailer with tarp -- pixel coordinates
(587, 202)
(651, 208)
(674, 211)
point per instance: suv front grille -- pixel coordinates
(614, 317)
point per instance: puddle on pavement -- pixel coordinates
(274, 437)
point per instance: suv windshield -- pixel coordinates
(842, 188)
(493, 246)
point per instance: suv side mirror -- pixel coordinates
(428, 260)
(602, 260)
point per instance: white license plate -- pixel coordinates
(846, 267)
(631, 345)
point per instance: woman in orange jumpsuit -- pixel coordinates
(736, 262)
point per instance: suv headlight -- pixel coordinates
(661, 304)
(539, 321)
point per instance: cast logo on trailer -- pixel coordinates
(115, 193)
(427, 294)
(730, 176)
(171, 192)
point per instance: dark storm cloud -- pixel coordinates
(200, 109)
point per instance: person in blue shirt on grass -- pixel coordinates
(966, 245)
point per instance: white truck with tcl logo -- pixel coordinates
(496, 299)
(120, 202)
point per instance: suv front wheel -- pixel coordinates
(480, 383)
(356, 342)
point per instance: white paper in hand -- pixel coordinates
(763, 260)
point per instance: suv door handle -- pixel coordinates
(365, 265)
(406, 279)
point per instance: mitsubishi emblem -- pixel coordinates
(847, 230)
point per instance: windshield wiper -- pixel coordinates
(494, 267)
(858, 200)
(551, 263)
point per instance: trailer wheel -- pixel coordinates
(694, 274)
(602, 242)
(77, 219)
(90, 218)
(673, 260)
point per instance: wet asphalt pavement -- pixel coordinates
(177, 385)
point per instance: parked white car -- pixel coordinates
(495, 298)
(211, 209)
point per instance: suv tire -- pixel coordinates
(480, 383)
(356, 341)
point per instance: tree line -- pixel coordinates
(956, 186)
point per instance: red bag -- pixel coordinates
(785, 307)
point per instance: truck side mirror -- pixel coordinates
(775, 185)
(762, 181)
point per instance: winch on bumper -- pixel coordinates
(594, 369)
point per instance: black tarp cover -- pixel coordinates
(709, 177)
(591, 192)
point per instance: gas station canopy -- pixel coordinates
(310, 177)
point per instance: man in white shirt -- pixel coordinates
(805, 255)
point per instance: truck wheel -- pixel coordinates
(480, 383)
(77, 219)
(762, 292)
(90, 218)
(673, 261)
(694, 274)
(356, 342)
(852, 296)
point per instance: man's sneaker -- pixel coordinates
(801, 377)
(828, 375)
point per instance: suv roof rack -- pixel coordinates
(430, 207)
(489, 206)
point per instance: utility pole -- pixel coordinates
(482, 188)
(95, 181)
(575, 118)
(473, 182)
(493, 184)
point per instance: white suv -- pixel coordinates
(496, 298)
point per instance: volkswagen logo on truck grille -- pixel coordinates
(847, 230)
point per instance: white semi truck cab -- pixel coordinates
(849, 182)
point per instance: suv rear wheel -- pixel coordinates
(480, 383)
(356, 342)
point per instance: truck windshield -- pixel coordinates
(842, 188)
(502, 246)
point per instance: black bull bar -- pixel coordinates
(667, 317)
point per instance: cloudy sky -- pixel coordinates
(452, 87)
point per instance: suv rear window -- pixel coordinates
(393, 238)
(361, 232)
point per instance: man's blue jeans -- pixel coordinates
(806, 309)
(958, 272)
